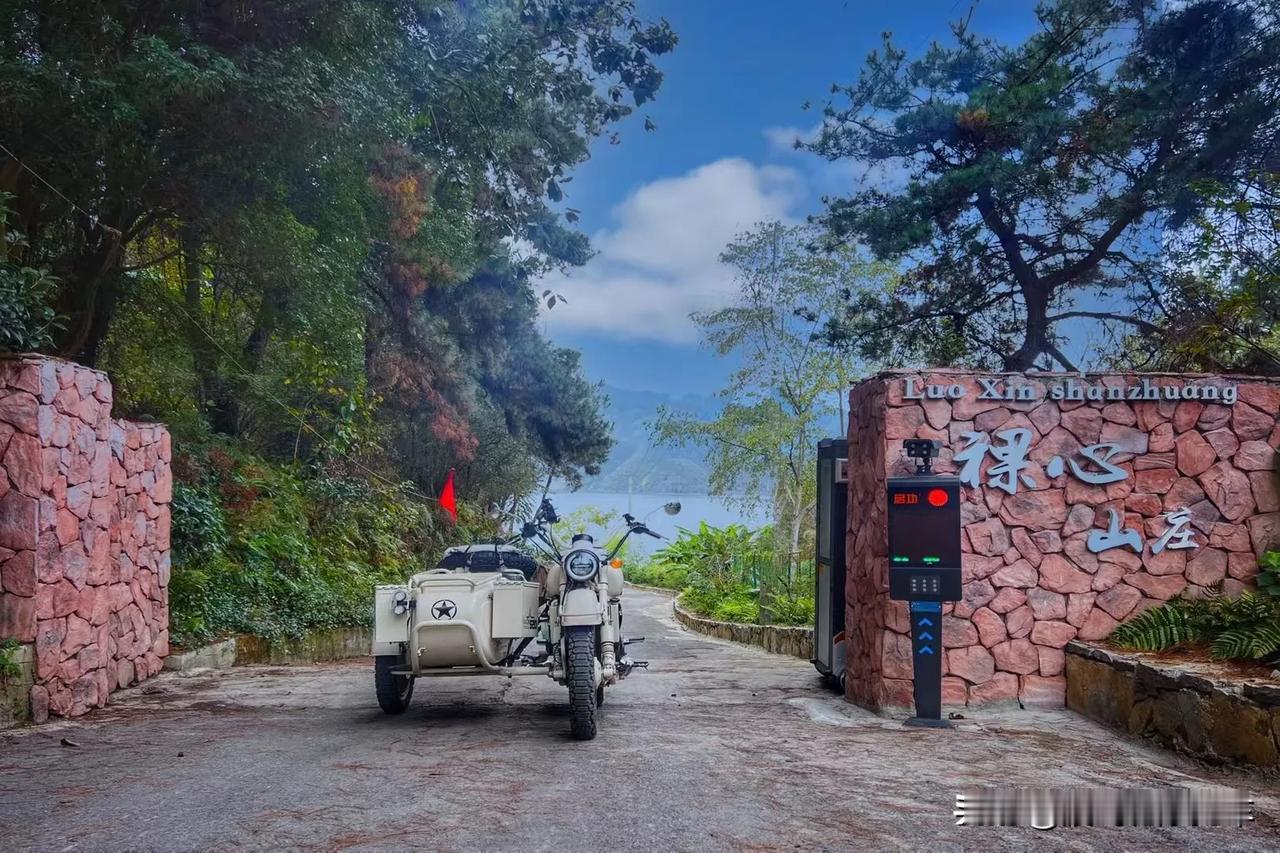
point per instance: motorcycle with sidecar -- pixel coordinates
(482, 605)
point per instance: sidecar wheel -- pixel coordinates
(393, 690)
(580, 660)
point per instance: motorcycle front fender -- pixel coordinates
(581, 607)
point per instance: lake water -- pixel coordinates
(694, 509)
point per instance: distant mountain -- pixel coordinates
(636, 465)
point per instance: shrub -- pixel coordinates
(27, 318)
(726, 573)
(739, 606)
(275, 551)
(711, 550)
(798, 610)
(1243, 628)
(1268, 579)
(664, 575)
(27, 322)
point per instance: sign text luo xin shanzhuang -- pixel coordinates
(997, 388)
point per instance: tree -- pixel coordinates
(1038, 178)
(527, 393)
(264, 210)
(789, 391)
(1219, 303)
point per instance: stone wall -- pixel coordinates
(84, 534)
(780, 639)
(1032, 580)
(1193, 709)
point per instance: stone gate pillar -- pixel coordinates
(1087, 499)
(84, 534)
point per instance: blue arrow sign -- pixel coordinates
(925, 635)
(925, 650)
(925, 620)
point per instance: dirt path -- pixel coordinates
(716, 747)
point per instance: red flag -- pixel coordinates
(447, 500)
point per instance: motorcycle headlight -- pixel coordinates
(581, 565)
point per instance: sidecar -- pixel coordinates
(470, 615)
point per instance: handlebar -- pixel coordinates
(538, 530)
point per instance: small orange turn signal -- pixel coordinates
(616, 563)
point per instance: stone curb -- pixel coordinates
(1222, 721)
(246, 649)
(789, 640)
(219, 655)
(659, 589)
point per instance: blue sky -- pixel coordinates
(661, 205)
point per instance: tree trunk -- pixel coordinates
(215, 393)
(797, 523)
(90, 294)
(1036, 339)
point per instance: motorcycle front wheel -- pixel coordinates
(580, 663)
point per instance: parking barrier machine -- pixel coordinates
(924, 567)
(829, 648)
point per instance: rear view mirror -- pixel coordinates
(672, 508)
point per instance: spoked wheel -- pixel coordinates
(580, 661)
(393, 690)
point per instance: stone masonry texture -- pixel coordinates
(1031, 584)
(84, 534)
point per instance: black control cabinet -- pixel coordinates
(829, 648)
(924, 570)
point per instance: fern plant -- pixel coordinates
(1254, 642)
(1246, 627)
(1158, 628)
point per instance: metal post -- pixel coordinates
(926, 656)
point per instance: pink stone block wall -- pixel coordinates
(84, 534)
(1030, 582)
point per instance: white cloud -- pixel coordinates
(834, 177)
(782, 138)
(659, 263)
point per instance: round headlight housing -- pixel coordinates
(581, 565)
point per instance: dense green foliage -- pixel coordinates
(731, 574)
(1041, 181)
(275, 550)
(1268, 578)
(1220, 291)
(304, 234)
(1243, 628)
(27, 318)
(310, 208)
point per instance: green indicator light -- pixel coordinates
(932, 560)
(901, 559)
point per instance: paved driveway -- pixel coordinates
(716, 747)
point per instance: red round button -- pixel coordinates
(938, 497)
